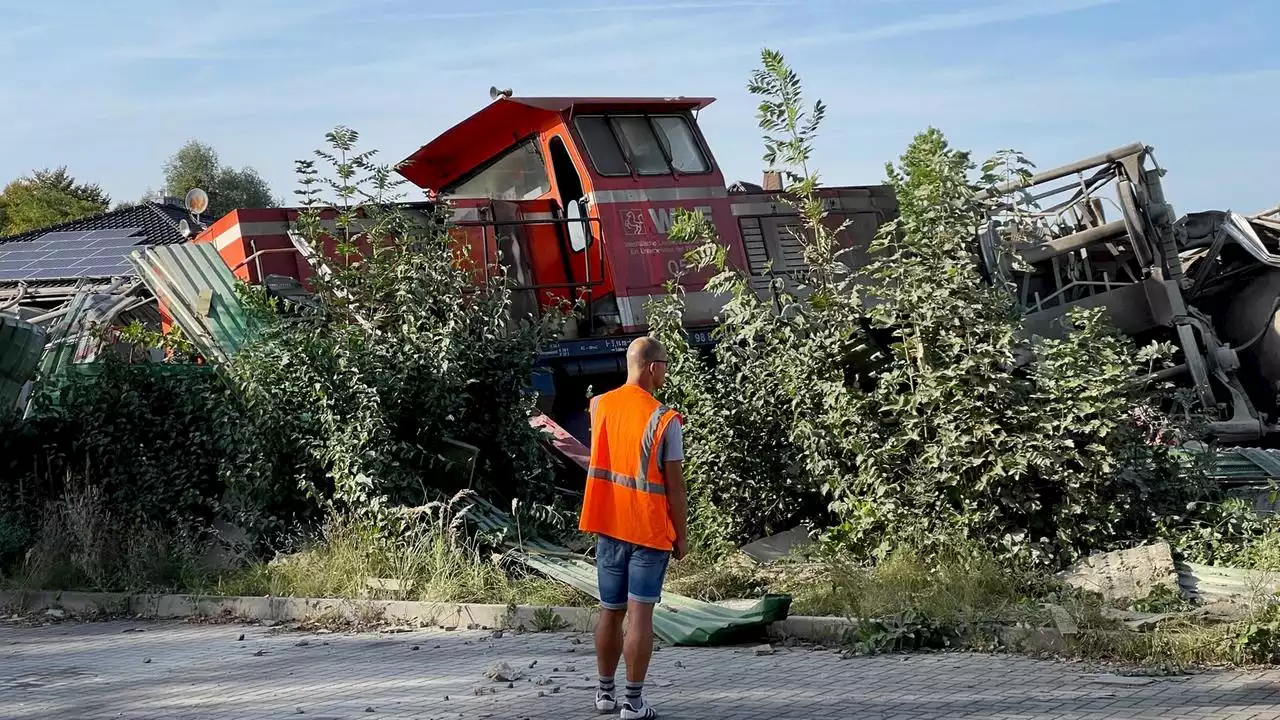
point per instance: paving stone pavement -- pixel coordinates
(141, 671)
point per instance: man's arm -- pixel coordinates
(677, 491)
(678, 504)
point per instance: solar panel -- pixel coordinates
(77, 253)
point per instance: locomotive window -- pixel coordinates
(680, 143)
(520, 174)
(641, 145)
(602, 146)
(649, 145)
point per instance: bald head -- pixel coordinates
(646, 363)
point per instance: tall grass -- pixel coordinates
(81, 544)
(429, 563)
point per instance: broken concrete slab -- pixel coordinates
(1129, 574)
(779, 546)
(1140, 621)
(1063, 621)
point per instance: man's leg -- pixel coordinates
(611, 574)
(646, 572)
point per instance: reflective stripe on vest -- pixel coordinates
(642, 482)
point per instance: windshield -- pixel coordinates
(518, 174)
(644, 144)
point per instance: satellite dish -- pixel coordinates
(197, 200)
(184, 227)
(495, 93)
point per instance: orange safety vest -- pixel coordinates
(626, 496)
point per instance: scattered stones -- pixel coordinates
(575, 641)
(511, 686)
(543, 680)
(570, 668)
(302, 643)
(763, 650)
(502, 672)
(415, 647)
(370, 709)
(55, 613)
(1120, 680)
(482, 690)
(679, 664)
(146, 661)
(260, 653)
(241, 638)
(473, 626)
(497, 634)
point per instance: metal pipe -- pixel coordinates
(255, 256)
(53, 315)
(1079, 166)
(1075, 241)
(22, 291)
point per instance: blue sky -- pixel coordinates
(112, 89)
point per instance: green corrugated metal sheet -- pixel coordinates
(21, 344)
(1246, 464)
(63, 342)
(677, 619)
(1209, 583)
(199, 292)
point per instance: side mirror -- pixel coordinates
(579, 231)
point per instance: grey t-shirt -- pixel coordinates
(673, 443)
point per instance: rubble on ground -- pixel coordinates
(1125, 574)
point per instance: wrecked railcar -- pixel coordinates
(1100, 233)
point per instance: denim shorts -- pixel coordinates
(629, 572)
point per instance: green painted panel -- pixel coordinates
(199, 292)
(21, 344)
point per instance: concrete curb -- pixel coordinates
(449, 616)
(831, 631)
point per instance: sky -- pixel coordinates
(112, 89)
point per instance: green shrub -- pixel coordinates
(405, 355)
(927, 416)
(158, 443)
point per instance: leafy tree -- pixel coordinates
(927, 416)
(196, 165)
(406, 355)
(47, 197)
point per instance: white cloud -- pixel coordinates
(968, 18)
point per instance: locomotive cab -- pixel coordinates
(578, 194)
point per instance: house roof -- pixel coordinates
(159, 223)
(150, 223)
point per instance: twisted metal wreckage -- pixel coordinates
(1095, 233)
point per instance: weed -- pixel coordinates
(81, 544)
(430, 564)
(546, 620)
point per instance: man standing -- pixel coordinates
(637, 505)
